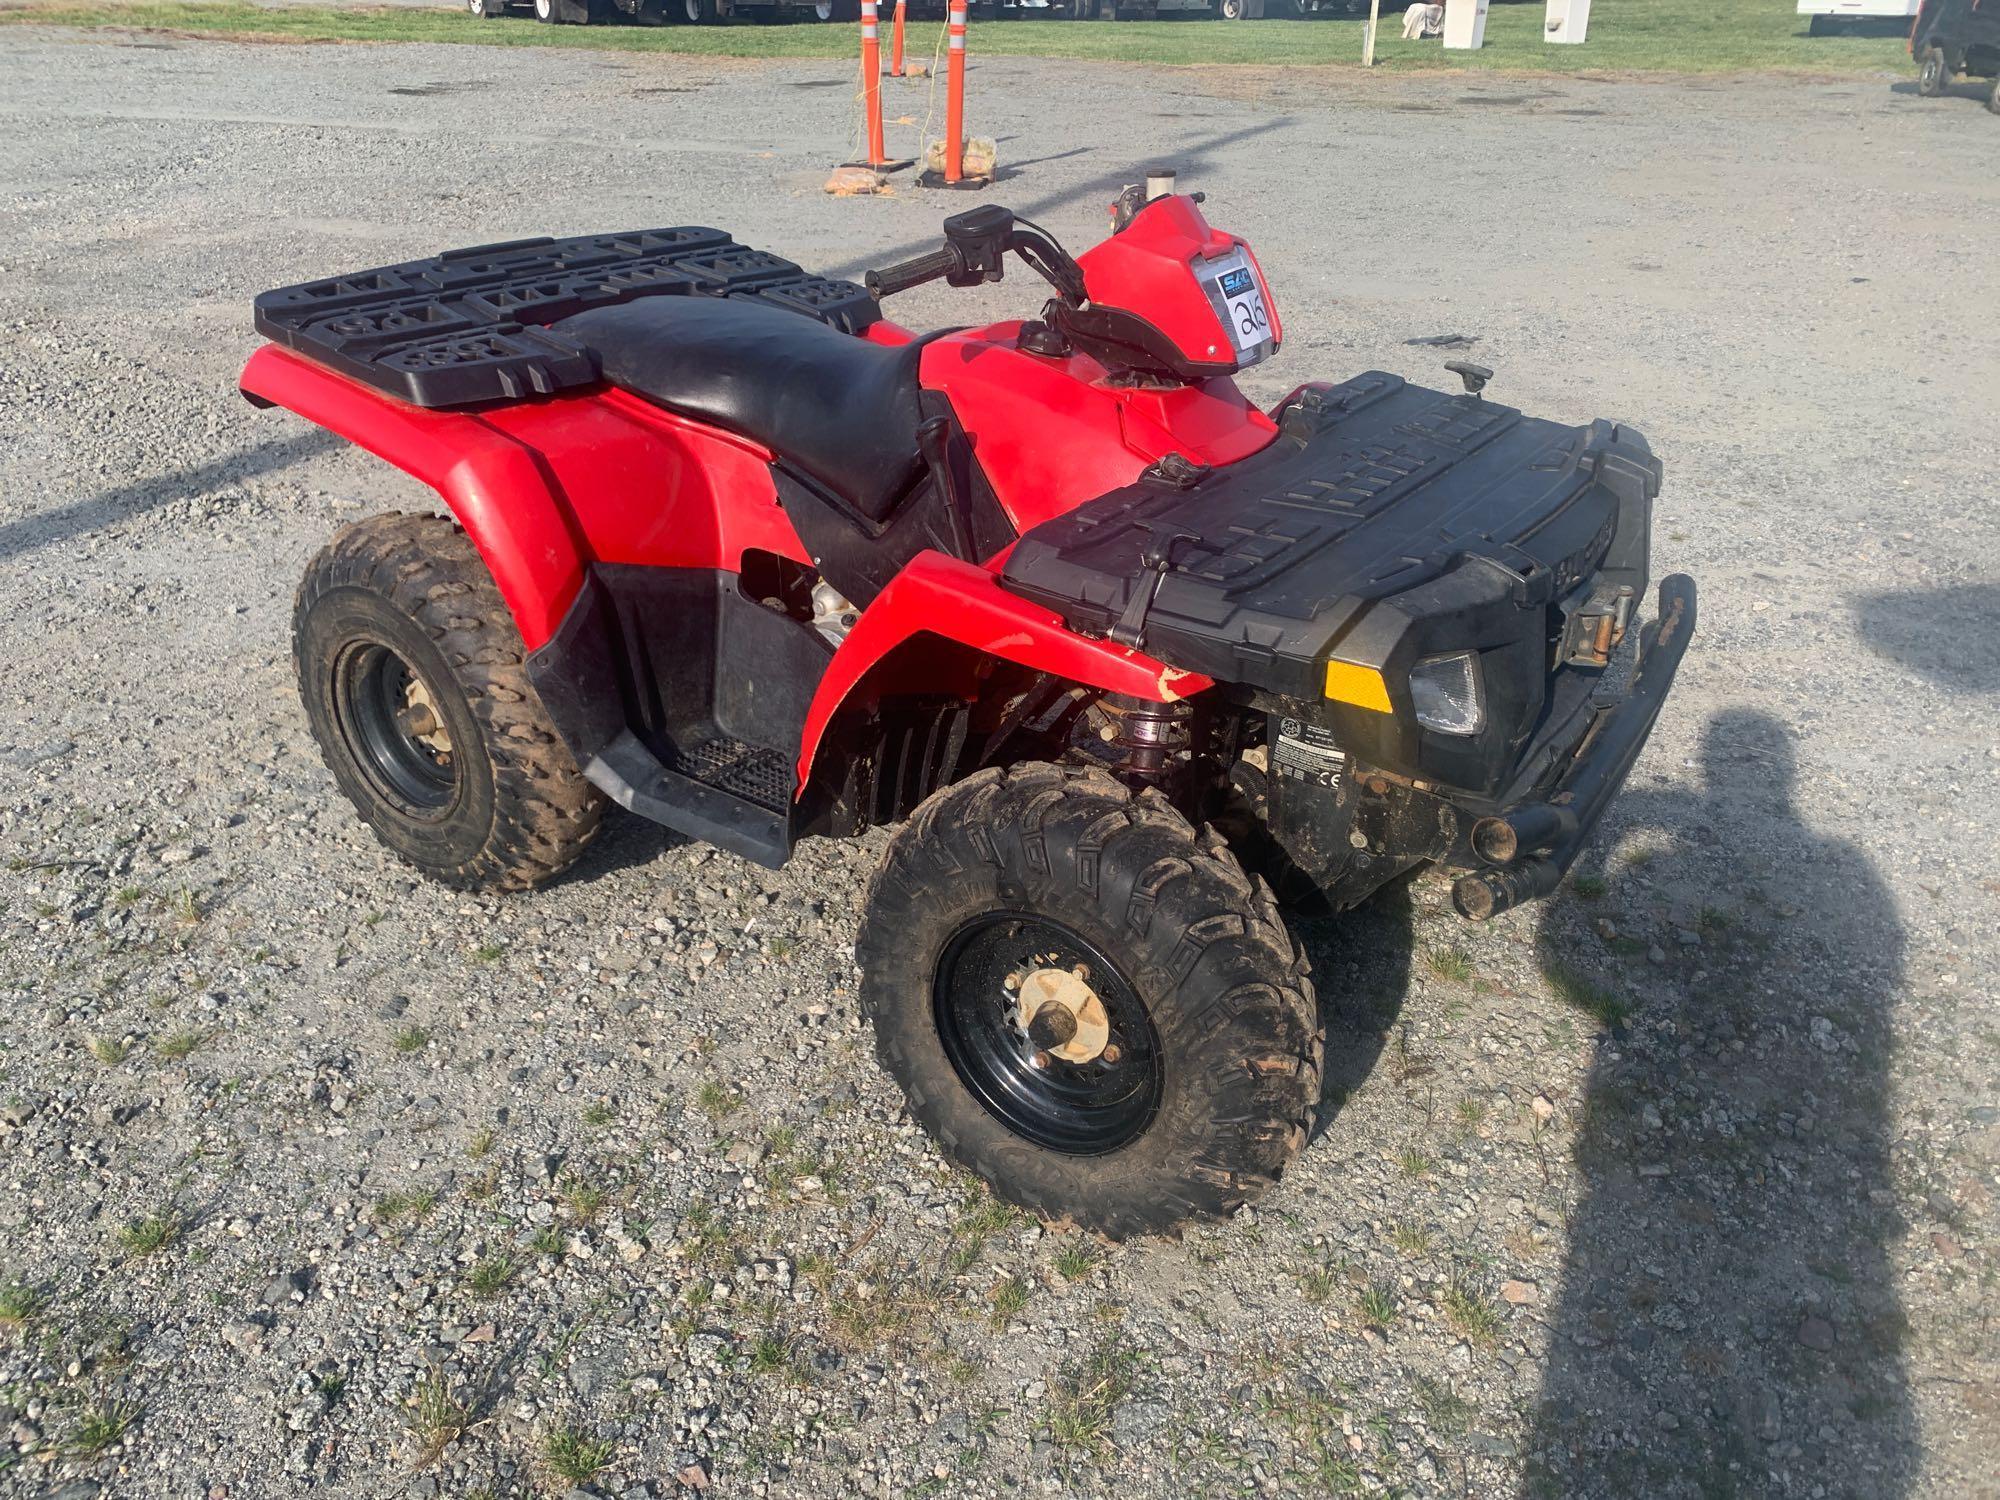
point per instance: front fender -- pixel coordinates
(495, 487)
(958, 601)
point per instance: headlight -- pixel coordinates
(1445, 692)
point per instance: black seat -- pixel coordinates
(840, 409)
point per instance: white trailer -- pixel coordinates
(1829, 16)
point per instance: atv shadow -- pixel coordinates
(66, 522)
(1727, 1319)
(1361, 969)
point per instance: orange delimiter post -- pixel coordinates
(896, 49)
(954, 99)
(871, 82)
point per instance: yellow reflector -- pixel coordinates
(1347, 682)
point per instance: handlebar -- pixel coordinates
(975, 250)
(912, 273)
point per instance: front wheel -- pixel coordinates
(1087, 1003)
(1230, 10)
(1933, 73)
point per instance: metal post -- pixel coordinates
(954, 98)
(871, 83)
(1368, 47)
(896, 50)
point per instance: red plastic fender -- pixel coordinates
(494, 485)
(940, 596)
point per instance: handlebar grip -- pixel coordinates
(910, 273)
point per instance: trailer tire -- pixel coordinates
(398, 625)
(692, 12)
(1209, 1046)
(486, 10)
(1933, 73)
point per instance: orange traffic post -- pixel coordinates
(871, 83)
(896, 49)
(954, 98)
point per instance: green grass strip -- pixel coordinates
(1626, 36)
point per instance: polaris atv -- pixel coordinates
(1119, 651)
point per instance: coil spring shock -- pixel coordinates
(1146, 735)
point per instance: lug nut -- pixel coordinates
(1111, 1054)
(1040, 1060)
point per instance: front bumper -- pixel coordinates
(1523, 851)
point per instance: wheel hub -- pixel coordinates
(1063, 1015)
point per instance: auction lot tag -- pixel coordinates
(1305, 752)
(1238, 299)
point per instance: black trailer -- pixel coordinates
(1953, 37)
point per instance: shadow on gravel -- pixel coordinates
(1728, 1321)
(1188, 160)
(1950, 637)
(1361, 969)
(46, 528)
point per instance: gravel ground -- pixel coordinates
(315, 1178)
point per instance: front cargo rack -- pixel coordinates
(467, 326)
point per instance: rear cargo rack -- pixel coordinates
(467, 326)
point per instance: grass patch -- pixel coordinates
(717, 1100)
(18, 1303)
(435, 1417)
(180, 1044)
(1076, 1260)
(1445, 1411)
(1670, 36)
(1580, 992)
(412, 1039)
(1474, 1316)
(492, 1276)
(108, 1050)
(1410, 1239)
(575, 1457)
(1085, 1396)
(1589, 887)
(395, 1208)
(98, 1427)
(1453, 964)
(1008, 1298)
(1378, 1305)
(150, 1235)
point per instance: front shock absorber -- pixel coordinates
(1147, 737)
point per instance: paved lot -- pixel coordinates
(1682, 1185)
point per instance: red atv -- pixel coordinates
(1120, 651)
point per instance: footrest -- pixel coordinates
(633, 777)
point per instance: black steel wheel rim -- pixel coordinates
(372, 702)
(1077, 1108)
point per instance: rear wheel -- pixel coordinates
(1230, 10)
(486, 10)
(1933, 73)
(693, 12)
(411, 671)
(1088, 1003)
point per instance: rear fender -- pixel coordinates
(495, 487)
(940, 597)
